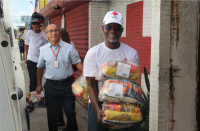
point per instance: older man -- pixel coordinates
(96, 57)
(57, 58)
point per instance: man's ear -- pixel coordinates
(46, 34)
(122, 29)
(102, 27)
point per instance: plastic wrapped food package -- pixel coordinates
(119, 69)
(80, 89)
(121, 113)
(34, 97)
(130, 92)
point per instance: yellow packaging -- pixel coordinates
(111, 71)
(122, 116)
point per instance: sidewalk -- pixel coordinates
(38, 118)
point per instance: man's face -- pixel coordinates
(36, 28)
(53, 33)
(112, 32)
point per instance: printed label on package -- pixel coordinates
(115, 90)
(123, 70)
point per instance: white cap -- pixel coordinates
(113, 17)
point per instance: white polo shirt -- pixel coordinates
(98, 55)
(35, 41)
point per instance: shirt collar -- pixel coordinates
(60, 43)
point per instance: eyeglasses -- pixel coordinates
(116, 28)
(51, 31)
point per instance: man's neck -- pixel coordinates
(112, 45)
(55, 43)
(38, 32)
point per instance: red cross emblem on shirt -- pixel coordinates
(114, 13)
(42, 37)
(125, 59)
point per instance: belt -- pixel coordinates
(60, 81)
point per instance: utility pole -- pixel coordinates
(36, 4)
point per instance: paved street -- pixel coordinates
(38, 118)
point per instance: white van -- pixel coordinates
(13, 113)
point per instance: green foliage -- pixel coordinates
(145, 104)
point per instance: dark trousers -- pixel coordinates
(32, 71)
(55, 93)
(60, 114)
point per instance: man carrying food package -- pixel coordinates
(95, 58)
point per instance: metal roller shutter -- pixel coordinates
(77, 25)
(55, 20)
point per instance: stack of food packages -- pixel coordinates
(120, 93)
(80, 89)
(36, 98)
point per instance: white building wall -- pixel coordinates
(174, 44)
(184, 53)
(147, 15)
(97, 11)
(154, 69)
(164, 113)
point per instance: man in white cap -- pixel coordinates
(95, 58)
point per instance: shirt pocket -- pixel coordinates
(65, 61)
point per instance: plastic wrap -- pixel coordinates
(121, 115)
(119, 69)
(34, 97)
(80, 89)
(131, 93)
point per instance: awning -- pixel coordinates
(57, 7)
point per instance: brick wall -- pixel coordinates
(160, 65)
(97, 11)
(154, 99)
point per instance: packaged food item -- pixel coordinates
(80, 89)
(121, 113)
(110, 92)
(34, 97)
(130, 108)
(119, 69)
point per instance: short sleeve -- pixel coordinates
(41, 62)
(46, 38)
(90, 66)
(27, 40)
(136, 58)
(72, 43)
(74, 56)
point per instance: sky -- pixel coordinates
(19, 8)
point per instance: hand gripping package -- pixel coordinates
(80, 89)
(120, 91)
(34, 97)
(125, 70)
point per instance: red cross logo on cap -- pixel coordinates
(114, 13)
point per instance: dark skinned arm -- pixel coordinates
(40, 72)
(93, 93)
